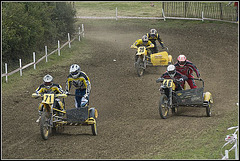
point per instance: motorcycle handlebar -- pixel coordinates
(74, 95)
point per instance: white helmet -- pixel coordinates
(145, 39)
(153, 32)
(48, 80)
(75, 70)
(171, 69)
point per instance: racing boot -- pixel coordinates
(40, 114)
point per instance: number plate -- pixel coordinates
(168, 82)
(141, 50)
(48, 98)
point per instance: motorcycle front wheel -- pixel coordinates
(163, 106)
(44, 125)
(139, 67)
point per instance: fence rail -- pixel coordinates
(6, 74)
(213, 11)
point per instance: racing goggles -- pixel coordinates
(182, 62)
(48, 83)
(171, 72)
(152, 35)
(75, 73)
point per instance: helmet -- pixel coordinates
(153, 32)
(171, 69)
(181, 60)
(48, 80)
(75, 70)
(145, 40)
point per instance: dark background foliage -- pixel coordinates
(29, 26)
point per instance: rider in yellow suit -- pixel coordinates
(49, 87)
(143, 42)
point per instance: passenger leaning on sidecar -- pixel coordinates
(82, 83)
(186, 67)
(177, 77)
(49, 87)
(143, 42)
(153, 36)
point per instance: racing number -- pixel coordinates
(168, 83)
(48, 98)
(141, 50)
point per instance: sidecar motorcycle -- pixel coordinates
(54, 119)
(170, 99)
(142, 58)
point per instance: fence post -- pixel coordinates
(58, 48)
(116, 14)
(46, 53)
(163, 15)
(79, 37)
(20, 62)
(34, 60)
(69, 44)
(236, 151)
(83, 30)
(226, 154)
(221, 13)
(6, 72)
(185, 9)
(202, 17)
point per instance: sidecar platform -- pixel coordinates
(77, 115)
(190, 97)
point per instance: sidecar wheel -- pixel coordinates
(208, 110)
(139, 67)
(93, 113)
(94, 129)
(163, 106)
(44, 125)
(174, 110)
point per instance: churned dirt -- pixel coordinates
(129, 125)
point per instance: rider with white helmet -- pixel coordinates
(82, 83)
(186, 67)
(49, 87)
(177, 77)
(153, 36)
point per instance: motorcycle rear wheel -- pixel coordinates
(44, 125)
(140, 67)
(163, 106)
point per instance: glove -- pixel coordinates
(180, 80)
(185, 77)
(67, 93)
(85, 96)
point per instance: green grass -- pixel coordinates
(143, 9)
(207, 145)
(100, 9)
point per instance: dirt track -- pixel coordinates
(129, 125)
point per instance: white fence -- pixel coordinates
(202, 18)
(231, 139)
(6, 74)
